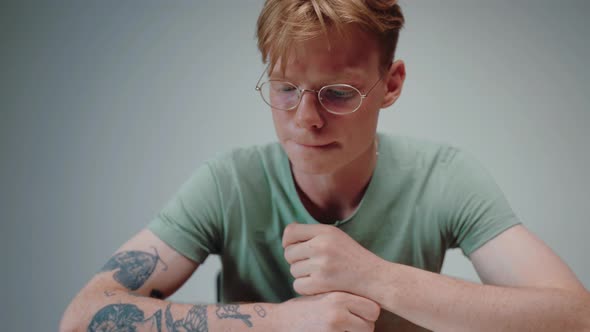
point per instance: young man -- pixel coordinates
(336, 227)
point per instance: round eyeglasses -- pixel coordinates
(334, 98)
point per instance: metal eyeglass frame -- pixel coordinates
(302, 91)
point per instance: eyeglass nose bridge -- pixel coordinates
(303, 91)
(315, 92)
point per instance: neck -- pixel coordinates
(335, 196)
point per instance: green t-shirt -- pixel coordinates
(423, 199)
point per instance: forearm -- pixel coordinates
(442, 303)
(94, 311)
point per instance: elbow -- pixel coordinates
(66, 326)
(69, 322)
(585, 313)
(75, 316)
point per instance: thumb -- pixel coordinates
(285, 232)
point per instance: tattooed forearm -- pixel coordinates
(129, 317)
(195, 320)
(225, 311)
(133, 267)
(124, 318)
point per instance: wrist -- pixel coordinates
(280, 319)
(240, 316)
(272, 314)
(380, 285)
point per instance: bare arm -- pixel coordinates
(128, 295)
(130, 288)
(529, 288)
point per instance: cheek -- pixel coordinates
(362, 122)
(280, 120)
(360, 129)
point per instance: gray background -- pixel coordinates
(107, 107)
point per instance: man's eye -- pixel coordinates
(283, 88)
(287, 88)
(339, 93)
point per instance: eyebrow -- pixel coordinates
(352, 77)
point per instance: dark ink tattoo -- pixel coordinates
(124, 318)
(225, 311)
(195, 320)
(133, 267)
(169, 319)
(156, 294)
(260, 310)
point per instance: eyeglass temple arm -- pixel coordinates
(374, 85)
(371, 89)
(260, 78)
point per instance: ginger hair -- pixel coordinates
(283, 22)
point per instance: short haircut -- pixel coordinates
(283, 22)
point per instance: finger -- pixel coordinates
(364, 308)
(296, 252)
(355, 323)
(304, 286)
(301, 269)
(295, 233)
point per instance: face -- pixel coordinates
(315, 140)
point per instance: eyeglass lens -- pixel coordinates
(337, 98)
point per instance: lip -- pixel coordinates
(315, 145)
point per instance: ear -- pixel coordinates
(394, 81)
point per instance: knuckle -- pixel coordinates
(321, 246)
(324, 266)
(331, 229)
(290, 228)
(325, 282)
(293, 269)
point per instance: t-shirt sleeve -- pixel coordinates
(191, 220)
(475, 209)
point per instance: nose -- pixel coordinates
(308, 113)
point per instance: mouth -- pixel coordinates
(316, 146)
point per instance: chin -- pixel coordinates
(312, 160)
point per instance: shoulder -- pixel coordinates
(246, 164)
(417, 153)
(439, 166)
(247, 157)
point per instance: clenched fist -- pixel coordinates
(323, 259)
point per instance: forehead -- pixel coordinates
(352, 54)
